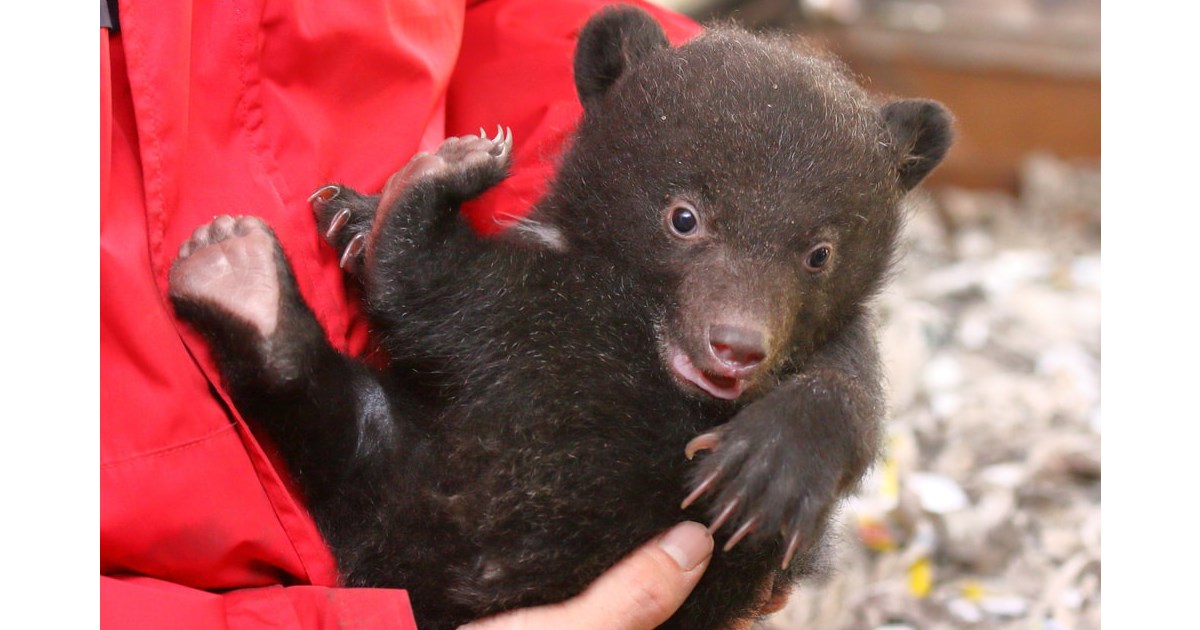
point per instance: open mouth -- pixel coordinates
(723, 386)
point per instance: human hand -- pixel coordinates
(638, 593)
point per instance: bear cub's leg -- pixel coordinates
(326, 412)
(461, 168)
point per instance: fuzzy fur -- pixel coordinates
(530, 429)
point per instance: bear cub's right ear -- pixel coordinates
(613, 41)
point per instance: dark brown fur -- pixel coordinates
(531, 428)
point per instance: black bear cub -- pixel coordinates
(684, 319)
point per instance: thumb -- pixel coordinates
(638, 593)
(649, 585)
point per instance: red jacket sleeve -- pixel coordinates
(238, 107)
(245, 107)
(148, 603)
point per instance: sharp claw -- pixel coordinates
(325, 194)
(508, 137)
(723, 516)
(702, 442)
(741, 532)
(338, 222)
(482, 133)
(701, 489)
(793, 544)
(499, 133)
(352, 249)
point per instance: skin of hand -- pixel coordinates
(638, 593)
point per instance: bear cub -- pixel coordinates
(680, 329)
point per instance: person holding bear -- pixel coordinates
(541, 383)
(809, 360)
(243, 106)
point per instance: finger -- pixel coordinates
(638, 593)
(648, 586)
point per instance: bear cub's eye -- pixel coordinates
(818, 257)
(683, 219)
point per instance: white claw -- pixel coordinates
(508, 137)
(482, 133)
(499, 133)
(332, 190)
(338, 222)
(352, 249)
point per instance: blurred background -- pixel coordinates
(985, 512)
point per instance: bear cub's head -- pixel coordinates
(752, 185)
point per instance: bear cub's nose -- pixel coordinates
(737, 347)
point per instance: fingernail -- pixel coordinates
(688, 544)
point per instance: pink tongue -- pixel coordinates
(724, 387)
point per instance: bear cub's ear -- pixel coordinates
(613, 41)
(921, 130)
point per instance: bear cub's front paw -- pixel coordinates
(463, 166)
(344, 219)
(466, 165)
(762, 480)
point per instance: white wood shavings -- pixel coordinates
(990, 338)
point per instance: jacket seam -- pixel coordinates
(250, 115)
(167, 450)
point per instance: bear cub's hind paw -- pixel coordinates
(231, 263)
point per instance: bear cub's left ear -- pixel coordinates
(921, 130)
(613, 41)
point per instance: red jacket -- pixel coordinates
(245, 107)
